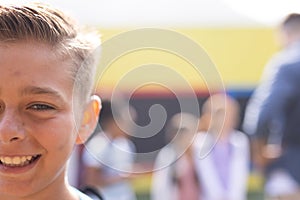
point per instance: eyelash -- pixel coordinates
(41, 107)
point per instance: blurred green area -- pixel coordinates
(251, 196)
(142, 186)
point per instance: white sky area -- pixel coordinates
(178, 13)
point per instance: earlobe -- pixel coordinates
(90, 119)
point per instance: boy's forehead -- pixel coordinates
(37, 61)
(33, 52)
(40, 62)
(27, 46)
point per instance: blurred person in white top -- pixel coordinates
(109, 157)
(221, 153)
(174, 176)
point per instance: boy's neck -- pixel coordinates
(59, 189)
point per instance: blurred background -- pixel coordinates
(238, 36)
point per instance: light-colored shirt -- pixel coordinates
(115, 157)
(212, 186)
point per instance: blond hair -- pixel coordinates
(42, 23)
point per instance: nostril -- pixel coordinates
(13, 139)
(2, 106)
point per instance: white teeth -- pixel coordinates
(7, 160)
(23, 159)
(16, 160)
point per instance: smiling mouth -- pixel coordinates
(18, 161)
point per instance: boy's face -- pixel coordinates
(37, 126)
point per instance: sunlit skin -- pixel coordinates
(37, 119)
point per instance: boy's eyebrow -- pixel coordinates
(40, 90)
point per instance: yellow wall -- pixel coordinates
(239, 55)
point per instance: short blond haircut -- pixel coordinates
(42, 23)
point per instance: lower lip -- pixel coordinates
(18, 170)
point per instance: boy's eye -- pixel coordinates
(41, 107)
(40, 110)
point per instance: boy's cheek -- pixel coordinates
(58, 131)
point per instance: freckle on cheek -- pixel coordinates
(63, 144)
(16, 73)
(61, 147)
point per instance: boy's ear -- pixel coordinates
(90, 119)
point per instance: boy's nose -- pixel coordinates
(10, 128)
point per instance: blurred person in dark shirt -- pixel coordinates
(273, 114)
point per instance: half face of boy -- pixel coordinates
(38, 128)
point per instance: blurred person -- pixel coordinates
(288, 38)
(108, 157)
(175, 177)
(272, 116)
(222, 153)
